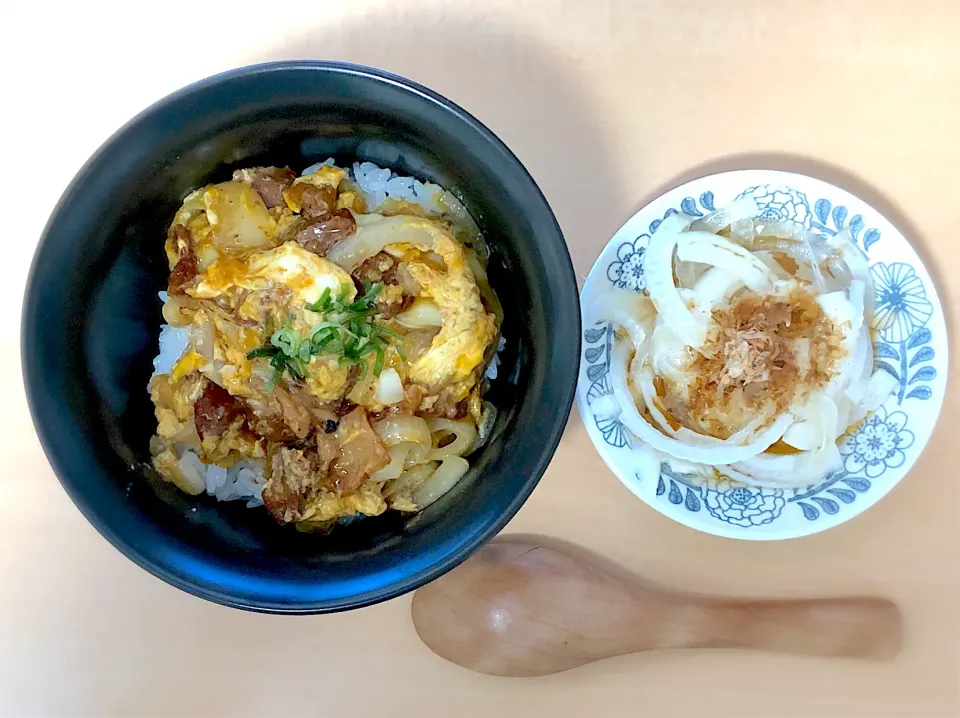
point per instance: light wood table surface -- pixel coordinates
(607, 103)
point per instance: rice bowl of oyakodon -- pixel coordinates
(303, 326)
(736, 371)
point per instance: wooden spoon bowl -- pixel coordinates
(519, 608)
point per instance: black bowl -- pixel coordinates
(91, 319)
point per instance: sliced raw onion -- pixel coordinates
(719, 252)
(631, 311)
(644, 382)
(787, 470)
(767, 257)
(606, 407)
(724, 452)
(716, 285)
(649, 462)
(879, 388)
(858, 265)
(741, 231)
(670, 354)
(805, 435)
(861, 366)
(663, 292)
(806, 467)
(739, 210)
(847, 314)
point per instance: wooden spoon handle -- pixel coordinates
(844, 627)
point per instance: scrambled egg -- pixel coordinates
(329, 506)
(303, 272)
(302, 275)
(437, 263)
(270, 289)
(467, 330)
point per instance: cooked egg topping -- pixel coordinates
(311, 325)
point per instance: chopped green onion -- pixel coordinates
(267, 351)
(388, 332)
(346, 332)
(322, 304)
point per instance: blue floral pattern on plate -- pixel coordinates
(780, 204)
(877, 444)
(627, 271)
(909, 345)
(723, 499)
(901, 316)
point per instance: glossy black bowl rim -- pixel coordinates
(566, 293)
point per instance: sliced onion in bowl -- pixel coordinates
(422, 314)
(375, 233)
(450, 471)
(398, 459)
(389, 387)
(396, 429)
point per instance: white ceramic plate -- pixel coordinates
(912, 348)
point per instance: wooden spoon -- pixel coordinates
(518, 608)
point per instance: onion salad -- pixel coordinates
(748, 353)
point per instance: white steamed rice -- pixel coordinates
(377, 184)
(243, 480)
(494, 366)
(173, 342)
